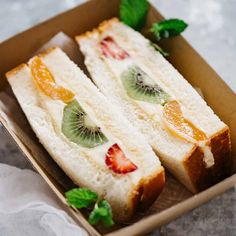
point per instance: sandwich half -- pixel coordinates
(85, 134)
(190, 140)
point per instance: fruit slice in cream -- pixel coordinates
(45, 81)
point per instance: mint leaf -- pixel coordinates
(101, 213)
(81, 197)
(133, 12)
(159, 49)
(168, 28)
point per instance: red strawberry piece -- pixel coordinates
(117, 161)
(111, 49)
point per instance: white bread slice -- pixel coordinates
(86, 167)
(196, 167)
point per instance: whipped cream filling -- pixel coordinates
(208, 157)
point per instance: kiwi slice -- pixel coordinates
(140, 86)
(79, 128)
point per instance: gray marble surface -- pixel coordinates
(211, 31)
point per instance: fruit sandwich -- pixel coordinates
(190, 140)
(85, 134)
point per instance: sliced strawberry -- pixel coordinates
(111, 49)
(117, 161)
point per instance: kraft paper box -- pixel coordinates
(175, 199)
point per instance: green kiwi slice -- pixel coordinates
(140, 86)
(79, 128)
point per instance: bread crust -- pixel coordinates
(152, 187)
(15, 70)
(101, 28)
(144, 195)
(203, 177)
(106, 24)
(87, 34)
(48, 51)
(195, 167)
(221, 149)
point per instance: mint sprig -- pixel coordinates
(83, 198)
(168, 28)
(134, 12)
(101, 213)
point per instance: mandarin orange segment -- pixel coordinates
(46, 83)
(178, 124)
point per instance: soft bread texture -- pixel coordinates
(186, 160)
(86, 167)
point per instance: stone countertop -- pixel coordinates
(211, 32)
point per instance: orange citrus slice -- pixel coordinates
(45, 81)
(176, 122)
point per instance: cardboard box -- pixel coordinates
(78, 20)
